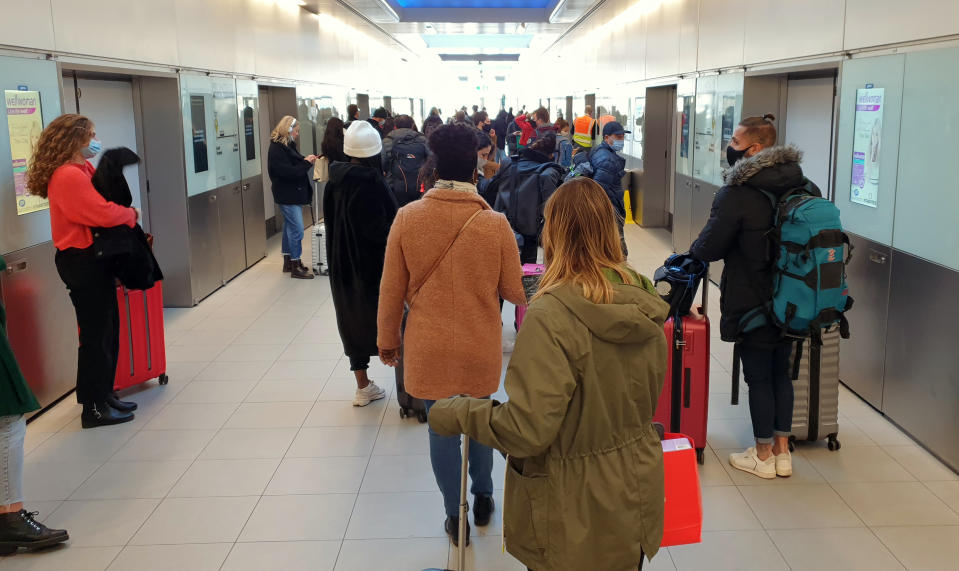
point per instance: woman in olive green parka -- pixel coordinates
(18, 528)
(584, 482)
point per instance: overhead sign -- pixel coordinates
(25, 122)
(867, 146)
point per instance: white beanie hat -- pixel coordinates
(362, 141)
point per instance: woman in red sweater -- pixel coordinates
(61, 173)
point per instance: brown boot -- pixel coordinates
(300, 272)
(287, 264)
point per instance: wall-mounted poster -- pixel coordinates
(25, 122)
(867, 141)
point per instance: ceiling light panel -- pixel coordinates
(478, 41)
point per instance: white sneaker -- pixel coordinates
(367, 395)
(749, 461)
(784, 464)
(508, 345)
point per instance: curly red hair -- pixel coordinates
(59, 143)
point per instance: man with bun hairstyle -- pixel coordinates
(736, 233)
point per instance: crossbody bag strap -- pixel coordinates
(442, 257)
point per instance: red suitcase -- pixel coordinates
(142, 354)
(683, 405)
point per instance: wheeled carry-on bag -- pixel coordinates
(142, 354)
(409, 406)
(816, 391)
(683, 405)
(321, 262)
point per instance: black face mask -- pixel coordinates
(732, 155)
(487, 128)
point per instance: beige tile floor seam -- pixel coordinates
(258, 300)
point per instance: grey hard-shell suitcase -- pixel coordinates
(816, 391)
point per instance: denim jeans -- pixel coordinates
(292, 230)
(12, 431)
(447, 461)
(766, 370)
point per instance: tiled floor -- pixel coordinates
(252, 458)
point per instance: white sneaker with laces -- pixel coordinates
(784, 464)
(749, 461)
(368, 394)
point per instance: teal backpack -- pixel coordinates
(811, 252)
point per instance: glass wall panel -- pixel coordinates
(227, 129)
(199, 132)
(249, 109)
(686, 111)
(718, 111)
(316, 104)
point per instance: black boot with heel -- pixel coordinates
(19, 529)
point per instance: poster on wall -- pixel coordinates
(867, 146)
(25, 122)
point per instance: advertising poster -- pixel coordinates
(867, 146)
(25, 123)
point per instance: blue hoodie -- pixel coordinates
(608, 170)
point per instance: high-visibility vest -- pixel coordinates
(583, 131)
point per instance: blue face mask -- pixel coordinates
(92, 150)
(618, 144)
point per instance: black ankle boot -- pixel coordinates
(453, 530)
(482, 510)
(120, 405)
(300, 272)
(102, 414)
(21, 530)
(287, 264)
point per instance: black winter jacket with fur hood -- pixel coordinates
(736, 233)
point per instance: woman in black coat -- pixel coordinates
(292, 189)
(359, 209)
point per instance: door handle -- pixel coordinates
(17, 267)
(236, 190)
(877, 258)
(246, 186)
(696, 186)
(212, 198)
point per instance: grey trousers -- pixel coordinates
(13, 429)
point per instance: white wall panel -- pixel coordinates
(778, 30)
(136, 31)
(689, 35)
(276, 39)
(878, 22)
(663, 30)
(206, 36)
(721, 25)
(28, 24)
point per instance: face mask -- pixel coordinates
(91, 150)
(732, 155)
(480, 164)
(487, 128)
(618, 144)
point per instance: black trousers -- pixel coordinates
(530, 250)
(93, 293)
(766, 370)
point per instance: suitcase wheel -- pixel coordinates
(833, 443)
(421, 416)
(404, 412)
(701, 456)
(163, 379)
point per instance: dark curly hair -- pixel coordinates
(454, 147)
(58, 144)
(545, 144)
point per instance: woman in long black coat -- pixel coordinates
(359, 209)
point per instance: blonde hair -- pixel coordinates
(581, 240)
(281, 133)
(58, 144)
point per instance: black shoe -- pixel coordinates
(21, 530)
(287, 264)
(300, 272)
(102, 414)
(453, 530)
(482, 510)
(120, 405)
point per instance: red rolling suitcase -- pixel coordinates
(142, 354)
(683, 405)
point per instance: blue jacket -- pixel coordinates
(608, 170)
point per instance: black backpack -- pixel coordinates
(405, 159)
(522, 199)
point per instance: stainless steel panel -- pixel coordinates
(703, 195)
(254, 225)
(921, 389)
(232, 236)
(207, 271)
(682, 213)
(41, 322)
(863, 354)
